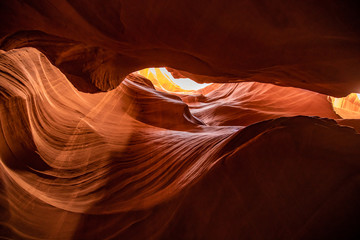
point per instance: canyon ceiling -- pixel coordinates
(93, 148)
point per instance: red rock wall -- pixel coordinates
(95, 166)
(306, 44)
(241, 160)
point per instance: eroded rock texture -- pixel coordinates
(308, 44)
(241, 160)
(135, 163)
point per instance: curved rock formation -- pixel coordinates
(71, 161)
(90, 149)
(311, 45)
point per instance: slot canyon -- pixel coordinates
(179, 119)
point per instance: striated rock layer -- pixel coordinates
(313, 45)
(137, 163)
(91, 150)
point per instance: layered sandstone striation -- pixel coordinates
(94, 166)
(311, 45)
(91, 149)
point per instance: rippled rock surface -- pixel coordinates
(313, 45)
(136, 163)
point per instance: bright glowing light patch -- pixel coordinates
(347, 107)
(164, 80)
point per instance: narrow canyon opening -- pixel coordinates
(164, 80)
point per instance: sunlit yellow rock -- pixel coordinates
(163, 80)
(347, 107)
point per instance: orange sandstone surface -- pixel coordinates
(94, 145)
